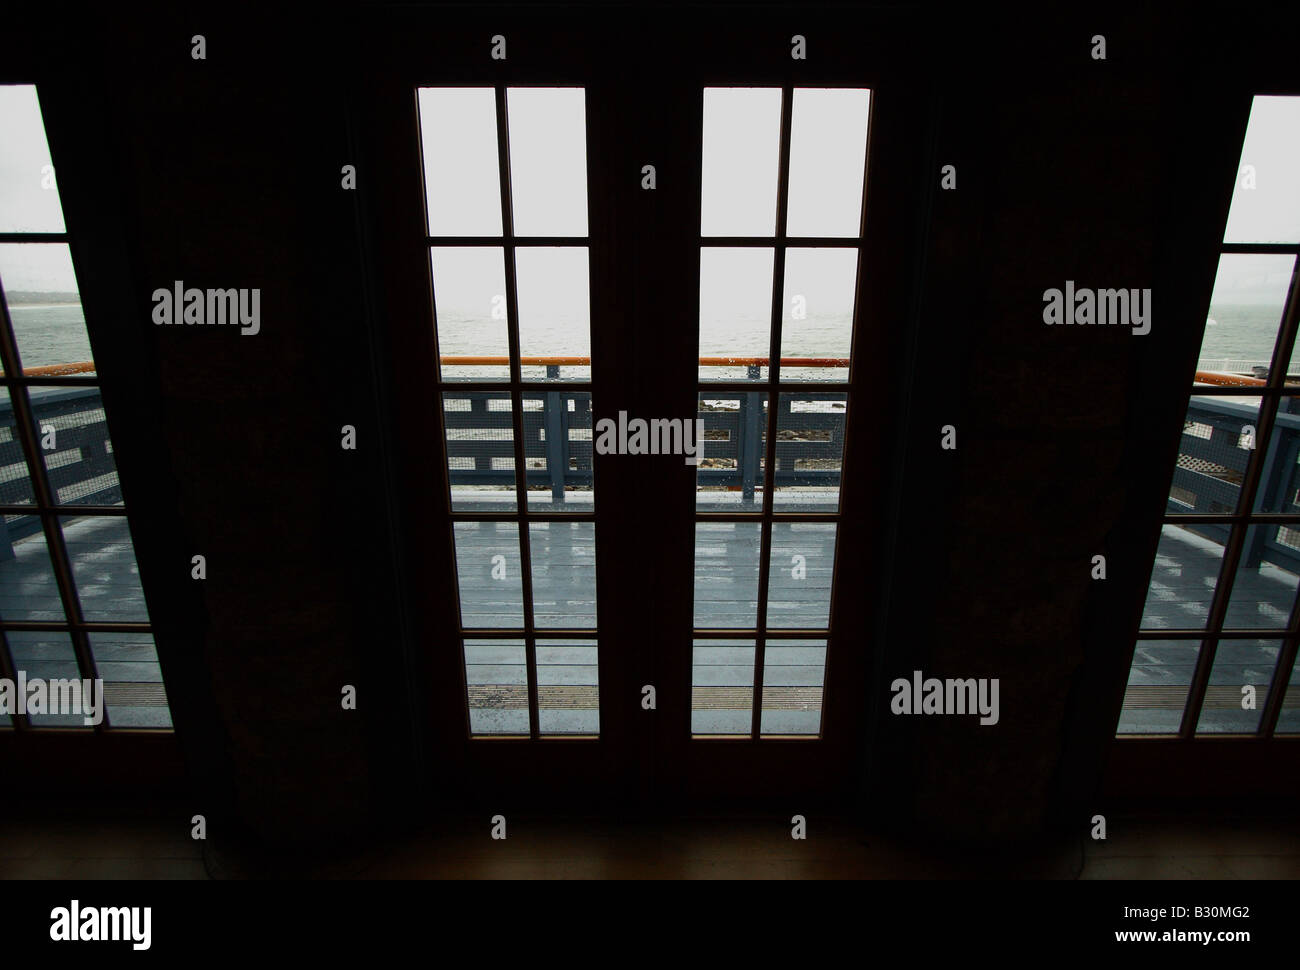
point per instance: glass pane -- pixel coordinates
(1288, 719)
(29, 194)
(469, 295)
(548, 160)
(1266, 208)
(558, 448)
(496, 674)
(1245, 315)
(489, 574)
(1186, 571)
(48, 656)
(809, 451)
(817, 319)
(1279, 483)
(722, 687)
(462, 180)
(45, 308)
(15, 482)
(799, 575)
(103, 565)
(794, 672)
(1157, 686)
(742, 142)
(75, 445)
(735, 313)
(133, 683)
(1219, 438)
(729, 477)
(568, 687)
(1237, 664)
(828, 153)
(563, 558)
(1265, 588)
(28, 589)
(554, 313)
(726, 574)
(480, 450)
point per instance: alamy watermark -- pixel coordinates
(930, 695)
(62, 696)
(1088, 307)
(242, 307)
(658, 436)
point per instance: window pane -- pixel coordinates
(1238, 663)
(75, 445)
(489, 574)
(563, 556)
(729, 477)
(1183, 579)
(1270, 211)
(1288, 719)
(1219, 438)
(1265, 588)
(462, 182)
(496, 675)
(45, 308)
(15, 482)
(742, 138)
(48, 655)
(558, 446)
(568, 687)
(554, 313)
(817, 319)
(799, 575)
(793, 674)
(28, 589)
(103, 565)
(548, 160)
(726, 574)
(1157, 686)
(133, 683)
(1245, 315)
(469, 295)
(735, 313)
(480, 450)
(828, 153)
(722, 687)
(809, 451)
(29, 195)
(1279, 484)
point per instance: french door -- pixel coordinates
(582, 268)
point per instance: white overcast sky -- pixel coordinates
(741, 132)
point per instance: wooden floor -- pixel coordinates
(726, 584)
(1182, 585)
(1135, 848)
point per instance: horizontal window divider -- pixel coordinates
(1281, 248)
(497, 241)
(59, 626)
(791, 242)
(735, 633)
(546, 633)
(757, 516)
(1231, 518)
(547, 516)
(36, 381)
(33, 237)
(526, 386)
(541, 738)
(62, 510)
(736, 387)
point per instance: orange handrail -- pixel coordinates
(60, 370)
(704, 361)
(1227, 380)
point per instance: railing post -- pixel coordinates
(557, 445)
(751, 437)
